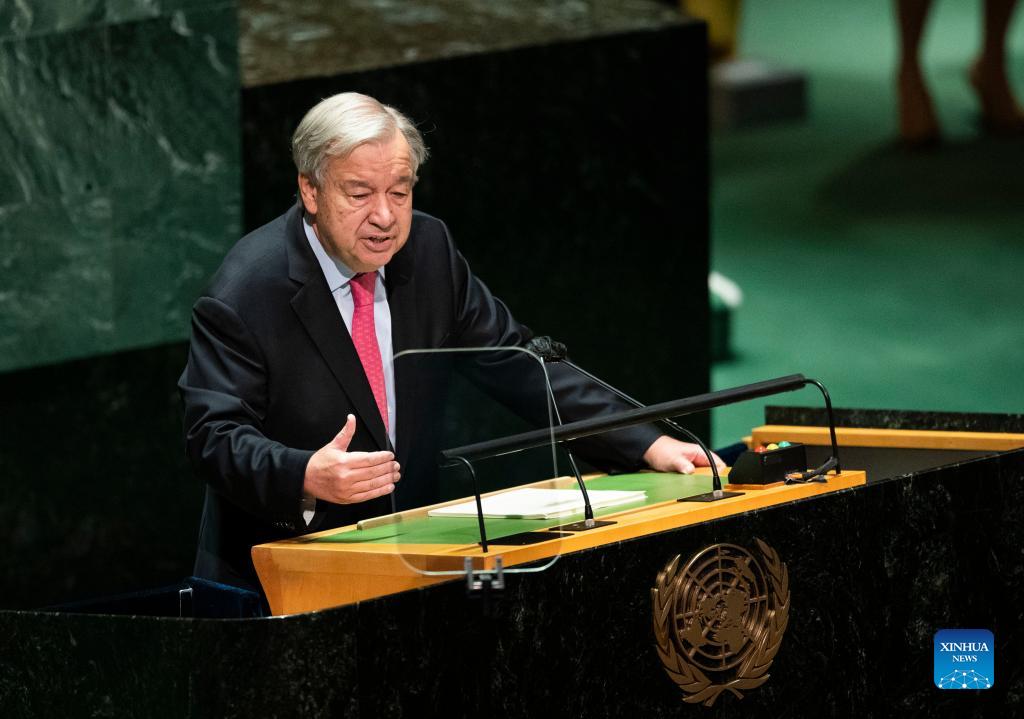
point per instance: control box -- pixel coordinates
(768, 464)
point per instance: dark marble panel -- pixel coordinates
(96, 497)
(579, 195)
(285, 40)
(21, 19)
(117, 11)
(26, 18)
(176, 196)
(65, 310)
(54, 198)
(121, 192)
(873, 571)
(54, 97)
(897, 419)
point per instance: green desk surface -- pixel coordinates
(660, 487)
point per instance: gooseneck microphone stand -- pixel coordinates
(644, 415)
(551, 351)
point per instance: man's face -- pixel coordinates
(363, 211)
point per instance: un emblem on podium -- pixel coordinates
(719, 620)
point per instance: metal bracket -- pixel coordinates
(185, 602)
(485, 580)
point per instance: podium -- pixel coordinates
(928, 538)
(412, 550)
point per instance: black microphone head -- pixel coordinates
(547, 349)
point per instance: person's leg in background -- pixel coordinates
(999, 110)
(918, 122)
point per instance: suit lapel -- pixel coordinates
(404, 321)
(318, 312)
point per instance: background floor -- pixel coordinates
(892, 276)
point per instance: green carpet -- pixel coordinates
(893, 277)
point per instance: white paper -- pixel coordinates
(533, 503)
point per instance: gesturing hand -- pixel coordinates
(336, 475)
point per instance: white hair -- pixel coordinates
(336, 126)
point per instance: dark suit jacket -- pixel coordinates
(272, 374)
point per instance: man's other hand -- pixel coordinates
(336, 475)
(671, 455)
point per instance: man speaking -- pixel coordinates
(291, 414)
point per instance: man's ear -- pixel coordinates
(308, 193)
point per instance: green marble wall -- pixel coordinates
(287, 40)
(120, 176)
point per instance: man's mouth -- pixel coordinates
(377, 241)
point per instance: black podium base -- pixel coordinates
(871, 575)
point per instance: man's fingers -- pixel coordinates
(366, 483)
(684, 466)
(700, 459)
(371, 484)
(372, 494)
(344, 437)
(344, 477)
(357, 460)
(355, 477)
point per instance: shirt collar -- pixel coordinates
(336, 272)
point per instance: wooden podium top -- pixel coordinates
(889, 438)
(389, 555)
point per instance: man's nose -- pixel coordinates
(381, 214)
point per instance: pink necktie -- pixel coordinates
(364, 337)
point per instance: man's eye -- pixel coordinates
(400, 195)
(359, 197)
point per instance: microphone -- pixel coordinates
(653, 413)
(549, 350)
(553, 351)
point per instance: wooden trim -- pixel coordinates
(894, 438)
